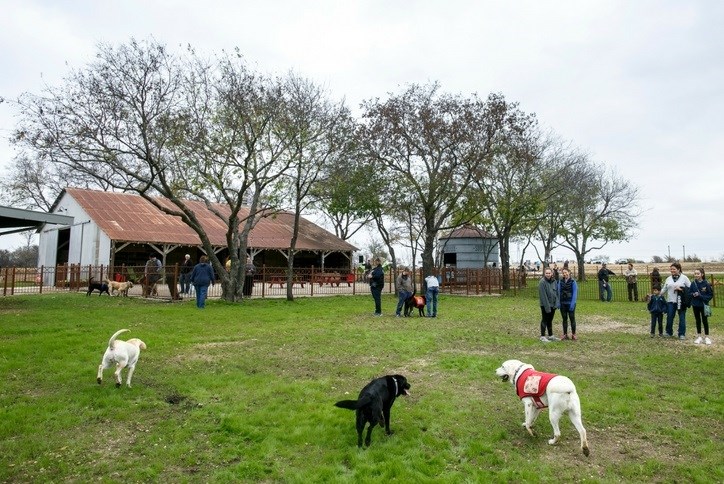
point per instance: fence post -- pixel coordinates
(263, 280)
(42, 272)
(311, 283)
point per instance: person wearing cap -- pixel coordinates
(185, 279)
(603, 285)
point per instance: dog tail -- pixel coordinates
(112, 341)
(348, 404)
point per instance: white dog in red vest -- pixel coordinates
(540, 390)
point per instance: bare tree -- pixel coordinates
(509, 183)
(423, 140)
(142, 120)
(319, 131)
(602, 208)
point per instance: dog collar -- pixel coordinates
(395, 380)
(515, 375)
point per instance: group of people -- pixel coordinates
(605, 292)
(201, 276)
(674, 297)
(555, 293)
(405, 289)
(671, 298)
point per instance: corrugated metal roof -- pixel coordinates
(130, 218)
(469, 232)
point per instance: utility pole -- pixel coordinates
(683, 248)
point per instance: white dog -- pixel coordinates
(540, 390)
(122, 354)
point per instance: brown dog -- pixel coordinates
(121, 288)
(413, 302)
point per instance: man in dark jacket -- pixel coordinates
(202, 277)
(377, 282)
(603, 285)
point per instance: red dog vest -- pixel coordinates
(419, 301)
(533, 384)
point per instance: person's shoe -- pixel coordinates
(398, 316)
(698, 340)
(378, 314)
(564, 337)
(544, 339)
(573, 337)
(553, 338)
(668, 335)
(653, 335)
(661, 335)
(682, 337)
(707, 340)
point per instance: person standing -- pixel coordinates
(152, 273)
(249, 271)
(404, 290)
(202, 277)
(675, 289)
(433, 289)
(657, 308)
(701, 294)
(603, 285)
(548, 296)
(632, 283)
(376, 278)
(185, 280)
(568, 293)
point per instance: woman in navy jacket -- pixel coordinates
(568, 291)
(701, 294)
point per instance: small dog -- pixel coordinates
(374, 404)
(413, 302)
(97, 286)
(120, 287)
(540, 390)
(122, 354)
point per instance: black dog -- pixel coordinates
(374, 404)
(97, 286)
(413, 302)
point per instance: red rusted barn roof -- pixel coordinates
(469, 232)
(128, 217)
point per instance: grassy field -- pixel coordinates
(246, 393)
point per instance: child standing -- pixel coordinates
(657, 308)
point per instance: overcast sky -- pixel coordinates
(638, 85)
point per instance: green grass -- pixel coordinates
(246, 393)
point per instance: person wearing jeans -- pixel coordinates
(202, 277)
(433, 288)
(404, 290)
(675, 289)
(603, 285)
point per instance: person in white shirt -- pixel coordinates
(676, 291)
(433, 288)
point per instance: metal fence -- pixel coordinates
(268, 281)
(272, 282)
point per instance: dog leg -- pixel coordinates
(131, 369)
(368, 439)
(117, 373)
(531, 414)
(554, 415)
(99, 378)
(575, 415)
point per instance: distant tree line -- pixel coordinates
(183, 126)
